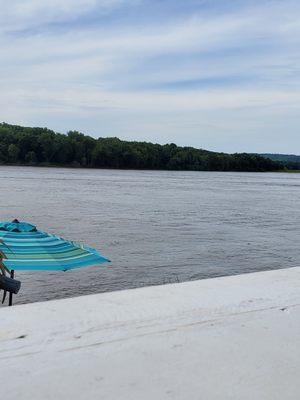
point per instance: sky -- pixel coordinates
(214, 74)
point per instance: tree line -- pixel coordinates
(289, 161)
(41, 146)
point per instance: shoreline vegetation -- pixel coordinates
(43, 147)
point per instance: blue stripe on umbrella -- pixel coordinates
(47, 250)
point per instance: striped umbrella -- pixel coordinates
(32, 249)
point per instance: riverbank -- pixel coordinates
(40, 146)
(79, 167)
(224, 338)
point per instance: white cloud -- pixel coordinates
(84, 70)
(25, 14)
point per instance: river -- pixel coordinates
(156, 226)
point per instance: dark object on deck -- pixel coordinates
(10, 285)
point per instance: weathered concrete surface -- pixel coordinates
(226, 338)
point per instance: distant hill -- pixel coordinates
(290, 161)
(44, 147)
(282, 157)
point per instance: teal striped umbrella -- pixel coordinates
(32, 249)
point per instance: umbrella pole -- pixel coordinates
(12, 275)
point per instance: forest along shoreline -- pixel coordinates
(43, 147)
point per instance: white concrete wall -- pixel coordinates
(225, 338)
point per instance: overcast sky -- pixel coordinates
(216, 74)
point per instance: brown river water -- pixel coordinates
(156, 226)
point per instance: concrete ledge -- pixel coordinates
(225, 338)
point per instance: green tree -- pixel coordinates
(37, 146)
(30, 158)
(13, 153)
